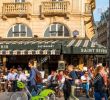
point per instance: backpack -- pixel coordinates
(38, 77)
(53, 80)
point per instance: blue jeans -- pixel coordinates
(98, 96)
(86, 87)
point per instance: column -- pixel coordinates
(81, 62)
(4, 61)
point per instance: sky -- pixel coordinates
(101, 6)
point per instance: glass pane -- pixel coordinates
(47, 33)
(23, 28)
(29, 32)
(23, 0)
(53, 30)
(19, 0)
(66, 32)
(16, 34)
(16, 28)
(10, 33)
(53, 27)
(23, 34)
(53, 33)
(60, 30)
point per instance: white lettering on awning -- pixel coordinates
(93, 50)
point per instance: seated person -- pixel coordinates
(52, 80)
(85, 83)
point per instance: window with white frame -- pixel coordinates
(20, 30)
(56, 30)
(57, 0)
(19, 1)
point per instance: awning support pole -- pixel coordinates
(61, 57)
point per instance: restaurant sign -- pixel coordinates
(90, 50)
(14, 46)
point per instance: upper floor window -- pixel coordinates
(19, 30)
(57, 0)
(19, 1)
(56, 30)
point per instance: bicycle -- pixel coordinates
(43, 93)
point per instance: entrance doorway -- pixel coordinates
(18, 61)
(46, 62)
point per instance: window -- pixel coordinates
(20, 30)
(56, 30)
(19, 1)
(57, 0)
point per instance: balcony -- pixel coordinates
(16, 9)
(53, 8)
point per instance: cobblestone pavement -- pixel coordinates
(6, 96)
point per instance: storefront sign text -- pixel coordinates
(4, 47)
(93, 50)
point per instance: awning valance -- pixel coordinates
(82, 46)
(50, 47)
(30, 47)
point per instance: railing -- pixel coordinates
(55, 7)
(88, 9)
(11, 9)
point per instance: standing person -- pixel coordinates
(99, 86)
(85, 83)
(69, 85)
(61, 79)
(32, 77)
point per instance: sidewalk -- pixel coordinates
(81, 98)
(7, 95)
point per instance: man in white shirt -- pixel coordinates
(22, 76)
(85, 83)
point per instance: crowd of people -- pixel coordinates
(65, 81)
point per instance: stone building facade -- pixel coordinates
(102, 33)
(24, 20)
(38, 15)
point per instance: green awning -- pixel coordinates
(82, 46)
(30, 47)
(50, 47)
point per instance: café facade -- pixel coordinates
(51, 31)
(48, 52)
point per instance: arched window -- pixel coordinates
(19, 30)
(56, 30)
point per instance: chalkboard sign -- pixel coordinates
(61, 65)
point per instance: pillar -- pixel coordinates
(81, 62)
(4, 61)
